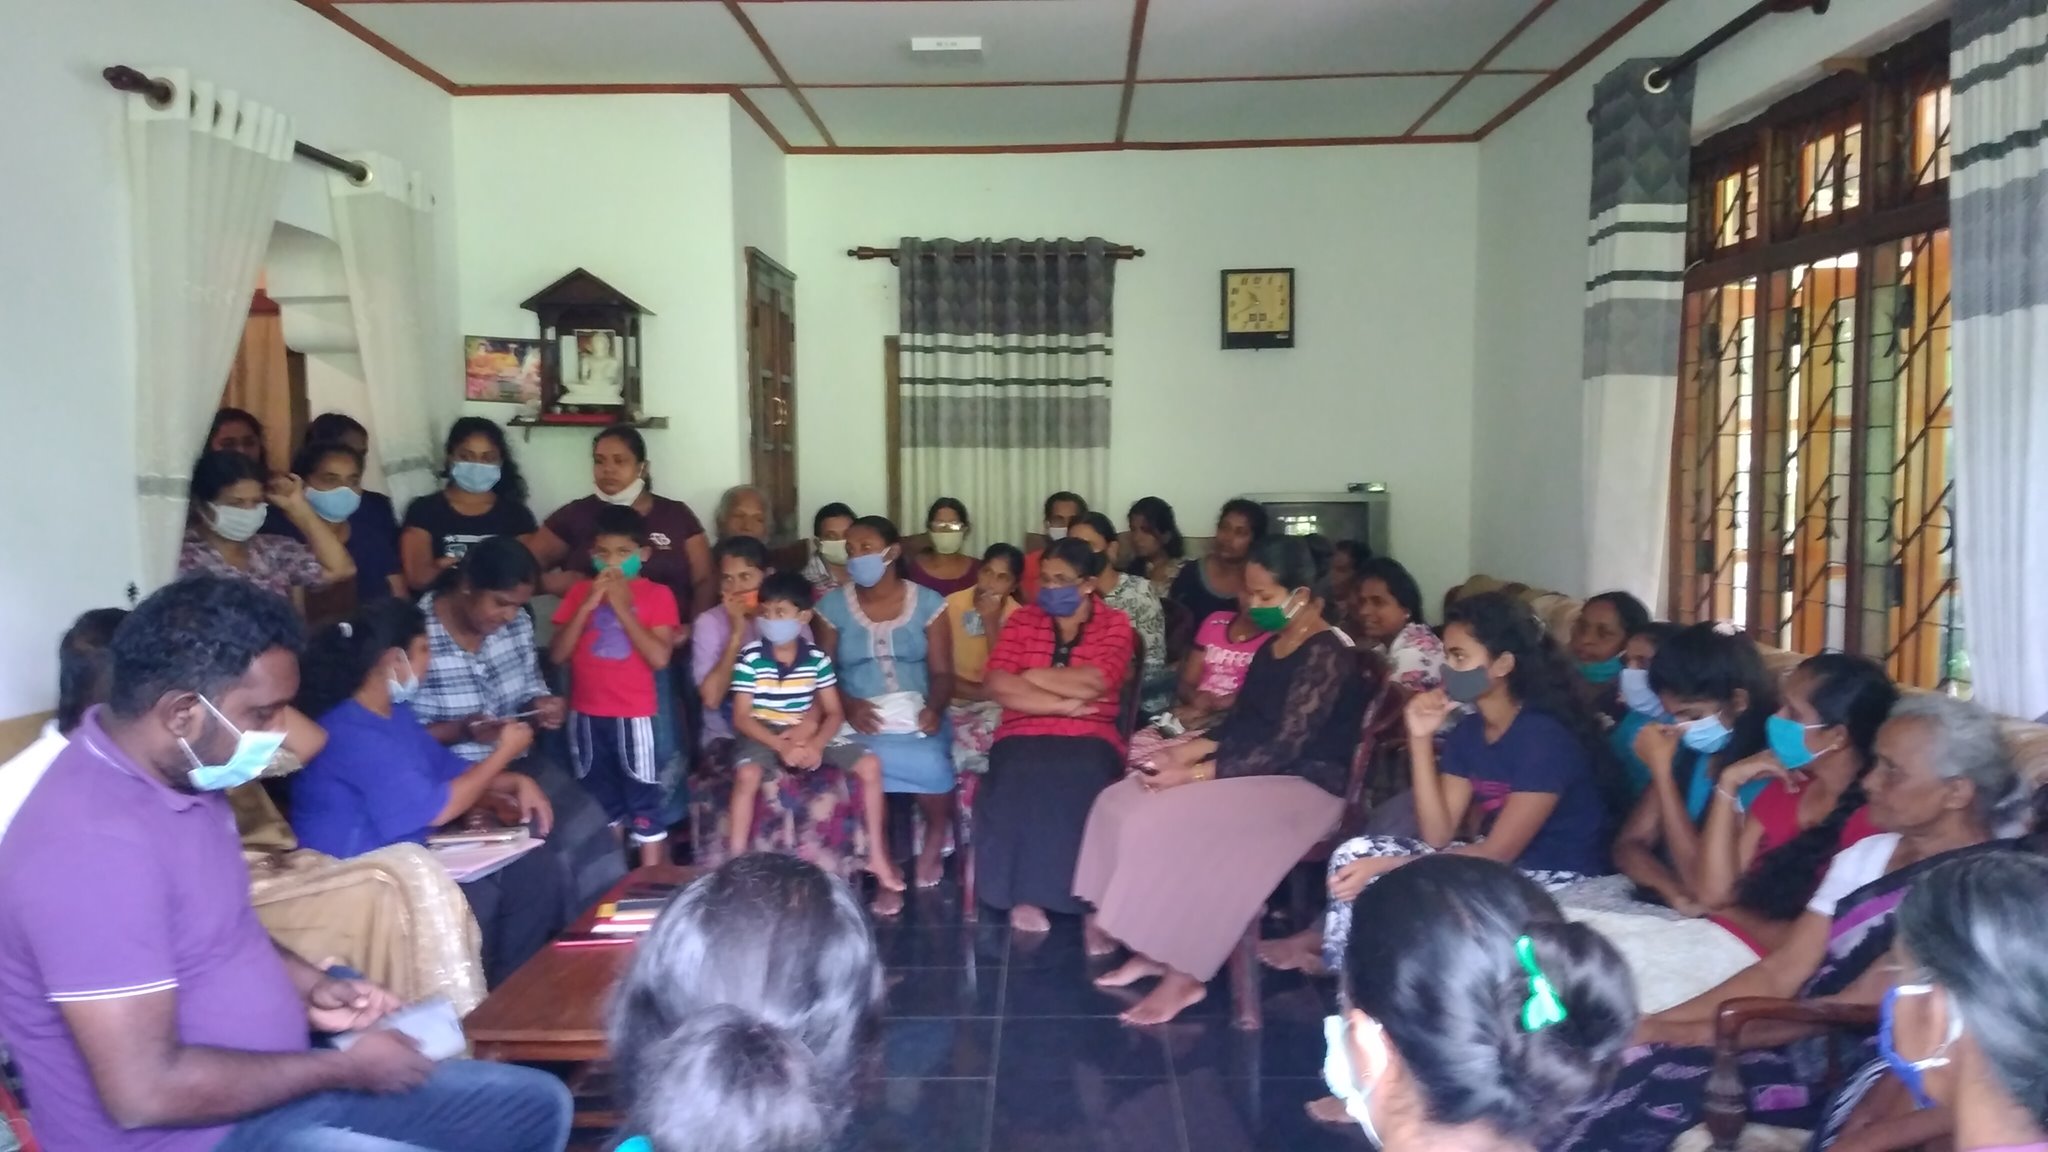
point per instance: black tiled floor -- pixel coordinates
(995, 1044)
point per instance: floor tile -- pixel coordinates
(1086, 1113)
(1061, 1048)
(1281, 1049)
(1061, 991)
(943, 946)
(1259, 1116)
(921, 1116)
(938, 1047)
(944, 992)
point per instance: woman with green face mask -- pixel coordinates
(1182, 853)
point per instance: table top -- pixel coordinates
(553, 1007)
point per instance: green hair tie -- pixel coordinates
(1543, 1007)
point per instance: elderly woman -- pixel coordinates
(1942, 780)
(1058, 673)
(1262, 788)
(1965, 1028)
(680, 555)
(894, 649)
(1133, 596)
(230, 500)
(742, 511)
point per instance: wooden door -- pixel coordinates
(771, 389)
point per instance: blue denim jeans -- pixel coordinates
(468, 1106)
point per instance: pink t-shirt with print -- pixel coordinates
(1224, 661)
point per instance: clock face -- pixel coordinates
(1259, 302)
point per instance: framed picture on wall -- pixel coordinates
(501, 370)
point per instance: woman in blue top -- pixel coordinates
(383, 779)
(894, 649)
(1710, 680)
(1640, 703)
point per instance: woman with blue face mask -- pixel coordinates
(1599, 635)
(1964, 1031)
(1641, 706)
(383, 779)
(1710, 680)
(894, 648)
(485, 496)
(1476, 1017)
(1944, 779)
(230, 498)
(362, 521)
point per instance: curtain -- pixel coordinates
(2000, 276)
(1003, 377)
(385, 227)
(206, 175)
(259, 383)
(1642, 150)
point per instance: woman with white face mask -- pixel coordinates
(943, 564)
(1476, 1019)
(825, 567)
(679, 554)
(230, 498)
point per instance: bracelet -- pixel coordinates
(1202, 771)
(1731, 797)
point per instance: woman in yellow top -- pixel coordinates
(977, 616)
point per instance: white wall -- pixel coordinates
(65, 285)
(1378, 388)
(760, 220)
(1534, 187)
(639, 190)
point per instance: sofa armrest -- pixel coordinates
(1727, 1105)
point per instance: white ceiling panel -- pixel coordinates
(956, 117)
(1306, 37)
(580, 43)
(1283, 109)
(834, 42)
(1560, 33)
(788, 117)
(1476, 103)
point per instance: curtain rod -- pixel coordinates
(160, 92)
(1659, 78)
(1115, 252)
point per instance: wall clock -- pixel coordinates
(1258, 308)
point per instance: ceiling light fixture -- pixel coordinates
(944, 47)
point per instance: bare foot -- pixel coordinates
(888, 902)
(930, 871)
(1029, 918)
(1301, 952)
(1330, 1110)
(1130, 972)
(1175, 993)
(1094, 939)
(885, 873)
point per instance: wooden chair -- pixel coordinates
(1726, 1113)
(1129, 716)
(1382, 714)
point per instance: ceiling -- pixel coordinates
(838, 76)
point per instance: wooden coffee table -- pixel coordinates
(552, 1010)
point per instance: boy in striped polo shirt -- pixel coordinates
(786, 712)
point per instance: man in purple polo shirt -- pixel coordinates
(145, 1005)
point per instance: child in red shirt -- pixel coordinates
(614, 631)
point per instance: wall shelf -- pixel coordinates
(585, 423)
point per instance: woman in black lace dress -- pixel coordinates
(1179, 855)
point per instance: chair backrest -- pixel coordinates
(1372, 666)
(1379, 769)
(1130, 712)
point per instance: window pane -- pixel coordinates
(1718, 394)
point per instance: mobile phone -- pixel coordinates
(432, 1023)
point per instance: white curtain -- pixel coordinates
(385, 227)
(206, 174)
(2000, 276)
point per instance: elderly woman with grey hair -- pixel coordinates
(745, 1014)
(742, 511)
(1942, 786)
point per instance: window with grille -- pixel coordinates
(1814, 450)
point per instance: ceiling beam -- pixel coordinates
(761, 119)
(1535, 13)
(746, 24)
(401, 56)
(1586, 56)
(1126, 146)
(1133, 50)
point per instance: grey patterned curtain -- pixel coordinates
(1635, 294)
(1004, 373)
(1997, 191)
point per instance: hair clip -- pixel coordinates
(1727, 628)
(1543, 1008)
(347, 630)
(635, 1144)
